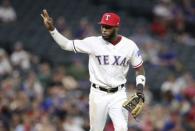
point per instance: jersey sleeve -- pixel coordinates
(62, 41)
(136, 58)
(83, 46)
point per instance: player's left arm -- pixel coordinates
(137, 63)
(135, 103)
(140, 79)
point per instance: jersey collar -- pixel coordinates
(117, 40)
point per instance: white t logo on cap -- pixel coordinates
(107, 17)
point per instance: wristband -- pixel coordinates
(140, 79)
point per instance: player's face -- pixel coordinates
(108, 32)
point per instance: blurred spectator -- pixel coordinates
(151, 52)
(20, 58)
(168, 58)
(34, 62)
(5, 66)
(185, 39)
(70, 83)
(174, 122)
(178, 24)
(189, 90)
(189, 13)
(5, 116)
(191, 119)
(7, 12)
(2, 126)
(78, 70)
(32, 87)
(17, 123)
(73, 124)
(58, 74)
(159, 27)
(162, 17)
(56, 96)
(85, 29)
(164, 9)
(59, 77)
(173, 88)
(189, 9)
(45, 74)
(161, 115)
(167, 88)
(20, 103)
(62, 26)
(44, 124)
(8, 87)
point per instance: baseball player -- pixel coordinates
(109, 58)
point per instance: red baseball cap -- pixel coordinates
(110, 19)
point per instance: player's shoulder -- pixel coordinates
(90, 38)
(128, 41)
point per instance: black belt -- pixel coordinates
(110, 90)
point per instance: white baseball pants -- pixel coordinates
(102, 104)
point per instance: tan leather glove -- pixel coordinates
(135, 104)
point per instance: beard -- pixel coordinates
(109, 37)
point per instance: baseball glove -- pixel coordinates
(135, 104)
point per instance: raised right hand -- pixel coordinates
(48, 21)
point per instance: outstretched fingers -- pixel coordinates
(48, 21)
(45, 14)
(42, 16)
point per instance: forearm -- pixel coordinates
(62, 41)
(140, 79)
